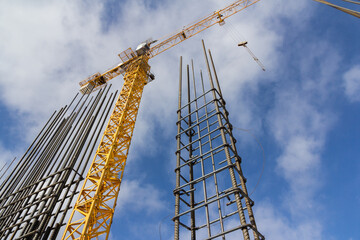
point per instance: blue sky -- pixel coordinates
(304, 109)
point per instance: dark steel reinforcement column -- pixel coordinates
(190, 134)
(36, 197)
(177, 169)
(211, 200)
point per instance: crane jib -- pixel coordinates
(93, 82)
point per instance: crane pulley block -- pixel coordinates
(243, 44)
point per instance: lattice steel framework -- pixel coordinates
(94, 210)
(211, 199)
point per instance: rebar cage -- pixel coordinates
(35, 198)
(211, 199)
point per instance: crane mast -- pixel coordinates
(94, 209)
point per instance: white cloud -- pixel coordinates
(136, 196)
(48, 47)
(274, 225)
(300, 156)
(300, 120)
(300, 130)
(352, 83)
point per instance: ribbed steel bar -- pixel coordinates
(82, 167)
(61, 179)
(3, 167)
(105, 113)
(6, 186)
(84, 131)
(44, 136)
(201, 152)
(208, 126)
(17, 180)
(39, 165)
(178, 157)
(191, 163)
(237, 159)
(76, 147)
(227, 153)
(76, 168)
(8, 167)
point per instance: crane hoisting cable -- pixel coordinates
(244, 44)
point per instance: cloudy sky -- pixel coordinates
(304, 109)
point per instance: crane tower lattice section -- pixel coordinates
(94, 210)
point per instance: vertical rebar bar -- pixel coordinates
(191, 163)
(8, 167)
(38, 195)
(227, 153)
(238, 159)
(177, 169)
(212, 160)
(201, 152)
(215, 74)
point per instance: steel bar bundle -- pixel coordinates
(35, 198)
(211, 198)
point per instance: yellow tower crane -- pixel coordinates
(94, 209)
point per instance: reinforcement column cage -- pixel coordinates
(94, 209)
(211, 200)
(37, 194)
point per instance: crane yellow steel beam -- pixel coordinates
(97, 199)
(97, 80)
(94, 209)
(346, 10)
(199, 26)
